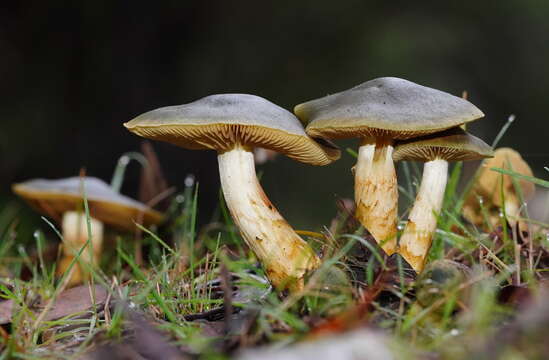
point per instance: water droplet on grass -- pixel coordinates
(189, 180)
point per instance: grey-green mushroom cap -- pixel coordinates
(219, 122)
(451, 145)
(386, 106)
(55, 197)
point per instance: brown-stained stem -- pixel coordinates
(285, 256)
(376, 191)
(416, 239)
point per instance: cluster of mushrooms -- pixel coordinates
(394, 119)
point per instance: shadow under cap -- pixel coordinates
(451, 145)
(385, 106)
(55, 197)
(219, 122)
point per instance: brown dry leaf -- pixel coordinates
(75, 300)
(152, 181)
(72, 301)
(517, 296)
(6, 308)
(146, 342)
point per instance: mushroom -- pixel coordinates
(442, 278)
(62, 200)
(233, 125)
(436, 150)
(379, 112)
(489, 186)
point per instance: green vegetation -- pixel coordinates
(455, 309)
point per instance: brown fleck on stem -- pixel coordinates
(416, 239)
(285, 256)
(75, 235)
(376, 191)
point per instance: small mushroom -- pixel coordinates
(490, 184)
(233, 125)
(436, 150)
(379, 112)
(440, 279)
(62, 200)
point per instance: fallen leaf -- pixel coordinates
(6, 308)
(68, 302)
(75, 300)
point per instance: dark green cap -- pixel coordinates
(386, 106)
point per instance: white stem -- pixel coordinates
(416, 239)
(285, 256)
(75, 235)
(376, 191)
(512, 209)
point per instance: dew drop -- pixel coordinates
(189, 180)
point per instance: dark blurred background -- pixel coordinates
(72, 72)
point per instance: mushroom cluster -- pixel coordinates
(380, 113)
(394, 119)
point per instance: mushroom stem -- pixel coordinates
(376, 191)
(512, 209)
(75, 235)
(285, 256)
(416, 239)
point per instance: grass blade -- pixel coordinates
(536, 181)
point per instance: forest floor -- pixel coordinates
(200, 293)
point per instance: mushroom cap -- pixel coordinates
(441, 278)
(505, 158)
(386, 106)
(451, 145)
(219, 122)
(54, 197)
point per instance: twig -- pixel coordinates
(227, 296)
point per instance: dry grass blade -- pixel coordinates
(152, 181)
(226, 285)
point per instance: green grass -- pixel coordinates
(182, 259)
